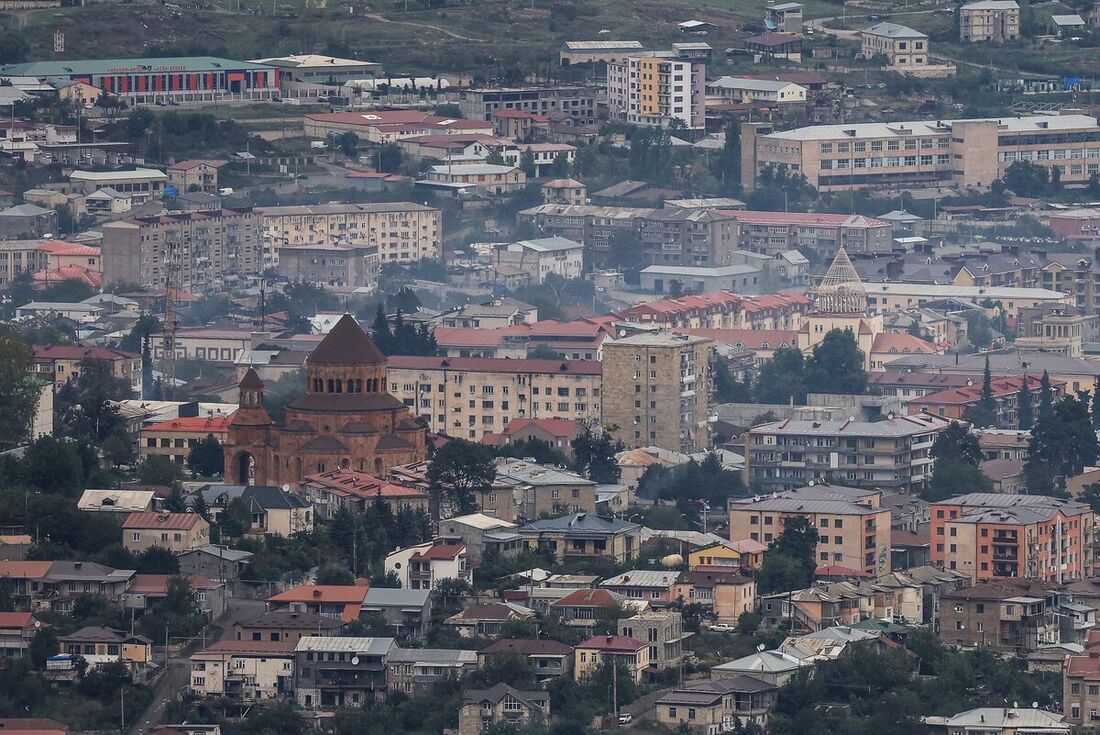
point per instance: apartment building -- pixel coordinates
(334, 265)
(1011, 616)
(954, 403)
(1075, 274)
(244, 670)
(904, 48)
(195, 175)
(176, 438)
(177, 532)
(356, 491)
(893, 454)
(936, 153)
(853, 528)
(671, 236)
(470, 397)
(202, 250)
(991, 21)
(58, 364)
(542, 257)
(657, 89)
(575, 101)
(988, 536)
(1081, 684)
(339, 672)
(584, 536)
(656, 388)
(402, 232)
(773, 233)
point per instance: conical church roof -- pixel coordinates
(345, 344)
(841, 290)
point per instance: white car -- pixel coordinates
(625, 718)
(723, 628)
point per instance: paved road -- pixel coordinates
(175, 679)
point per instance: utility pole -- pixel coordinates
(615, 690)
(122, 709)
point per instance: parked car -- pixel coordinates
(625, 718)
(723, 628)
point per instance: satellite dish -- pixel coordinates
(1035, 705)
(759, 647)
(286, 488)
(354, 660)
(38, 623)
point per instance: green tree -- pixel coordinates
(380, 331)
(836, 365)
(53, 465)
(1025, 406)
(727, 388)
(118, 448)
(782, 378)
(157, 560)
(43, 645)
(957, 471)
(984, 413)
(335, 574)
(1096, 403)
(790, 562)
(1062, 445)
(159, 470)
(13, 47)
(207, 458)
(978, 329)
(86, 406)
(1027, 179)
(349, 144)
(594, 455)
(19, 389)
(390, 158)
(456, 471)
(1046, 396)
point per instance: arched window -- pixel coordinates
(331, 385)
(378, 465)
(339, 385)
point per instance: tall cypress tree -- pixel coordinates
(985, 401)
(1046, 397)
(1025, 406)
(1096, 403)
(380, 330)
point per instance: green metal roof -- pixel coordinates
(193, 64)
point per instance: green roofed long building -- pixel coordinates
(144, 81)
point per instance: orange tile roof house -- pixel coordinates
(147, 589)
(344, 602)
(175, 439)
(954, 402)
(17, 629)
(177, 532)
(32, 726)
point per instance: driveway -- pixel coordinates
(175, 679)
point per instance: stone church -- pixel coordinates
(345, 418)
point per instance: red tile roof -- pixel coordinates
(24, 569)
(60, 247)
(561, 428)
(31, 726)
(750, 339)
(902, 343)
(440, 551)
(69, 273)
(972, 393)
(612, 644)
(163, 521)
(192, 424)
(333, 593)
(354, 483)
(19, 620)
(587, 598)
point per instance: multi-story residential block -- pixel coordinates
(407, 611)
(424, 566)
(893, 454)
(402, 232)
(1075, 274)
(716, 706)
(1012, 616)
(335, 264)
(55, 585)
(59, 364)
(972, 152)
(773, 233)
(670, 236)
(177, 532)
(339, 672)
(578, 102)
(853, 528)
(244, 670)
(725, 594)
(199, 251)
(414, 671)
(988, 536)
(656, 388)
(542, 257)
(470, 397)
(662, 630)
(176, 438)
(576, 340)
(993, 21)
(631, 654)
(502, 706)
(954, 403)
(656, 89)
(904, 48)
(549, 659)
(583, 535)
(723, 310)
(539, 491)
(286, 626)
(1081, 684)
(999, 720)
(195, 175)
(338, 601)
